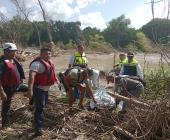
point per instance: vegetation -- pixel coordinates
(118, 33)
(157, 82)
(158, 30)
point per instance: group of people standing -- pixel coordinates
(41, 77)
(75, 79)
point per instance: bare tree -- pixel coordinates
(152, 2)
(168, 9)
(45, 19)
(152, 7)
(21, 6)
(4, 23)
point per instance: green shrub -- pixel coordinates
(157, 82)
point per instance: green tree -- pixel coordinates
(158, 30)
(17, 30)
(66, 31)
(88, 32)
(118, 33)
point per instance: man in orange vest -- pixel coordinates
(11, 77)
(41, 77)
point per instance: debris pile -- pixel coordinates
(138, 122)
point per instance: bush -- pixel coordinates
(157, 82)
(142, 42)
(70, 45)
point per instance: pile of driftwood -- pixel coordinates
(144, 120)
(25, 55)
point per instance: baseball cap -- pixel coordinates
(9, 46)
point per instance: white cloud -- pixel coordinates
(58, 9)
(93, 20)
(85, 3)
(36, 16)
(65, 9)
(3, 9)
(55, 9)
(142, 14)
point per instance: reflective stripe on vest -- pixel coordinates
(47, 78)
(80, 59)
(134, 62)
(10, 78)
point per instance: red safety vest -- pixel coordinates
(10, 77)
(47, 78)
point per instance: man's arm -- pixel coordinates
(67, 80)
(139, 72)
(71, 61)
(121, 70)
(2, 93)
(31, 79)
(89, 91)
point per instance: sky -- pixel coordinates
(93, 13)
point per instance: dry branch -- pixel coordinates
(129, 100)
(124, 132)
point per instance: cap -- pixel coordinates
(10, 46)
(130, 54)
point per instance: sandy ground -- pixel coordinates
(101, 61)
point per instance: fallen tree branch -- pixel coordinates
(129, 100)
(124, 132)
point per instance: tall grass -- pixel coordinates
(157, 82)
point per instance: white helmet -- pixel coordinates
(10, 46)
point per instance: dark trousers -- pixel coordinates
(6, 106)
(40, 98)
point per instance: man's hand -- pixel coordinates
(3, 96)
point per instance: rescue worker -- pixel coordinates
(118, 66)
(78, 78)
(79, 57)
(41, 77)
(132, 68)
(131, 81)
(127, 87)
(122, 59)
(11, 77)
